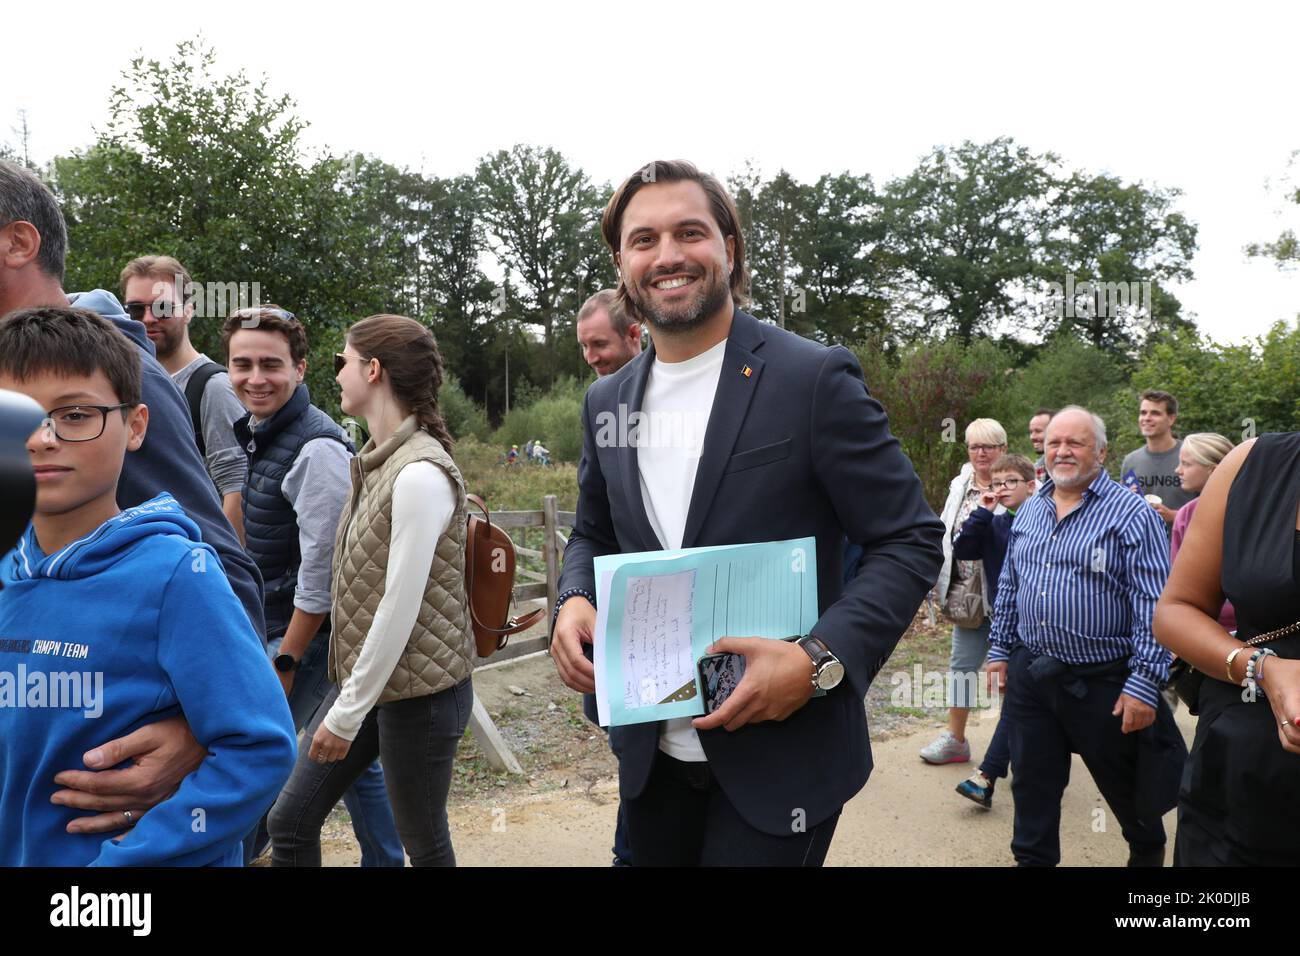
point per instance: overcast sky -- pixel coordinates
(1168, 94)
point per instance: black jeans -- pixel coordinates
(1047, 725)
(683, 818)
(416, 740)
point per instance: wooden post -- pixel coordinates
(490, 741)
(550, 548)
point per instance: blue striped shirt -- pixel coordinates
(1083, 589)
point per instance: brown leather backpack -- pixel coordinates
(491, 589)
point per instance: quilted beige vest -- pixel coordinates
(438, 652)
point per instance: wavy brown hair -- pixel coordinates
(721, 204)
(408, 353)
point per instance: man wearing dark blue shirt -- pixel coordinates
(1072, 640)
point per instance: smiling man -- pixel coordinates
(298, 482)
(610, 338)
(1072, 640)
(1156, 463)
(791, 445)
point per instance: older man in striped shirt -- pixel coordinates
(1072, 641)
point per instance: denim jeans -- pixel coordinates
(367, 799)
(970, 647)
(416, 738)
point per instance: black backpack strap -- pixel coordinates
(194, 398)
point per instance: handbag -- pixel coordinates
(964, 605)
(490, 583)
(1186, 680)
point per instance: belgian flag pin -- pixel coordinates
(747, 371)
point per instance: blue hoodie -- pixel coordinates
(169, 460)
(131, 624)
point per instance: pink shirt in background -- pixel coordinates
(1227, 616)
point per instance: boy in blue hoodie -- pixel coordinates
(984, 537)
(99, 613)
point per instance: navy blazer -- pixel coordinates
(795, 448)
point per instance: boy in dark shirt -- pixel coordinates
(984, 537)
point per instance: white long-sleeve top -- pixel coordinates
(423, 505)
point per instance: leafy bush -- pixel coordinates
(930, 391)
(1236, 390)
(516, 487)
(465, 418)
(555, 419)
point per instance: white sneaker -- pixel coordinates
(947, 749)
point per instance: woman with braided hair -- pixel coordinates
(401, 649)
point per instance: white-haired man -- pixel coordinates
(1072, 641)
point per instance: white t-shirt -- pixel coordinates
(675, 415)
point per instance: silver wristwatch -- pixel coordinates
(827, 669)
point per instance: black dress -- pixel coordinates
(1241, 790)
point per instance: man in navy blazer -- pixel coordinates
(792, 446)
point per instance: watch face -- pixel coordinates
(830, 675)
(285, 662)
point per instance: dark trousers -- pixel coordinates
(367, 799)
(683, 818)
(622, 848)
(416, 739)
(1048, 724)
(998, 756)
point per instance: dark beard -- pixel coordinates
(167, 347)
(713, 299)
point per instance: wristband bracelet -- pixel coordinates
(564, 596)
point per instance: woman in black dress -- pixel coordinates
(1241, 786)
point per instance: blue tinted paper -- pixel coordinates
(660, 610)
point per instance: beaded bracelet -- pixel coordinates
(564, 596)
(1251, 664)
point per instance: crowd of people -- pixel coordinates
(263, 620)
(1060, 578)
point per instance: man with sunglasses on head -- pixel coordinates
(297, 485)
(33, 250)
(154, 289)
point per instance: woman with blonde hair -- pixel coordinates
(986, 440)
(1199, 455)
(401, 646)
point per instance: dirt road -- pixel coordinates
(907, 815)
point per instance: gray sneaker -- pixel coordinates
(947, 749)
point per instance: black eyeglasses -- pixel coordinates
(79, 422)
(1007, 483)
(161, 309)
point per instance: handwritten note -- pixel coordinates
(658, 663)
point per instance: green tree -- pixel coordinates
(1285, 249)
(1124, 244)
(543, 216)
(966, 228)
(208, 168)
